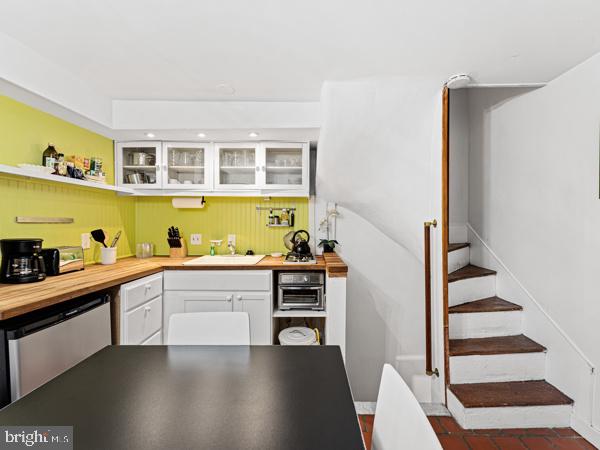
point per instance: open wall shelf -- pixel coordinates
(11, 170)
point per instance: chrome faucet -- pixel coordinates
(231, 247)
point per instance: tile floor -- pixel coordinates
(453, 437)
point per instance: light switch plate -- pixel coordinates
(85, 241)
(196, 239)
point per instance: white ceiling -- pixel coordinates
(284, 50)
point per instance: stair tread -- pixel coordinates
(498, 345)
(490, 304)
(457, 246)
(469, 271)
(510, 393)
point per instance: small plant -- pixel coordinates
(328, 245)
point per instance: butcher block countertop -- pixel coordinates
(18, 299)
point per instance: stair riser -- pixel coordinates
(510, 416)
(471, 289)
(458, 259)
(489, 324)
(497, 368)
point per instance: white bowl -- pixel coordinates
(276, 254)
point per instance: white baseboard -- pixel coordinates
(365, 408)
(430, 409)
(586, 430)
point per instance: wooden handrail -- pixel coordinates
(428, 359)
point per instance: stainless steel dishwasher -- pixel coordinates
(41, 345)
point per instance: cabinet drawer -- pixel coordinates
(143, 322)
(218, 280)
(140, 291)
(155, 339)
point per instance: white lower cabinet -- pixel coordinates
(258, 307)
(141, 311)
(213, 298)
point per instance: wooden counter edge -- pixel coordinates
(25, 308)
(336, 267)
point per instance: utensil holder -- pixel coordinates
(179, 252)
(108, 255)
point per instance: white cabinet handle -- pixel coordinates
(257, 168)
(229, 298)
(263, 168)
(165, 167)
(157, 167)
(147, 287)
(147, 309)
(238, 298)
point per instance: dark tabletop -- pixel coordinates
(200, 397)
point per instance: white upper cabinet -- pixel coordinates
(237, 166)
(138, 164)
(187, 165)
(285, 166)
(250, 168)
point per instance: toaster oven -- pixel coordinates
(301, 290)
(61, 260)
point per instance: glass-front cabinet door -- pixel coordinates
(236, 166)
(138, 164)
(186, 165)
(286, 165)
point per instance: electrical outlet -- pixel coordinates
(195, 239)
(231, 239)
(85, 241)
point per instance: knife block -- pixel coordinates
(179, 252)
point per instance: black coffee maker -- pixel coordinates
(21, 261)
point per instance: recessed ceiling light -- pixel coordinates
(201, 135)
(225, 88)
(150, 135)
(253, 134)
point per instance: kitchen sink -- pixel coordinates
(225, 260)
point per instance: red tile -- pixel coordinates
(435, 424)
(537, 443)
(540, 432)
(514, 431)
(450, 425)
(565, 443)
(585, 444)
(480, 442)
(453, 443)
(508, 443)
(566, 432)
(490, 432)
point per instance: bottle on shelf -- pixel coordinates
(61, 165)
(49, 156)
(292, 218)
(284, 218)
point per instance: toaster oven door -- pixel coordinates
(301, 297)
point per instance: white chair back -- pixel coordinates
(209, 328)
(399, 420)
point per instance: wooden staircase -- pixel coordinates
(497, 374)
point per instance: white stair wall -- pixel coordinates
(470, 289)
(458, 259)
(486, 324)
(509, 416)
(497, 368)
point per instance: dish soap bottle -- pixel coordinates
(49, 156)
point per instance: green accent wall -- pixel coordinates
(221, 216)
(25, 133)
